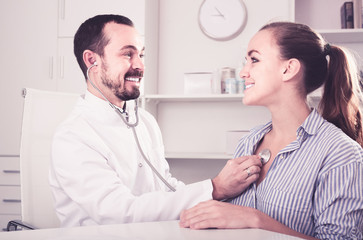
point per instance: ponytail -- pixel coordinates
(339, 74)
(342, 95)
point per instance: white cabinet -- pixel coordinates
(70, 76)
(9, 171)
(72, 13)
(28, 48)
(10, 207)
(195, 127)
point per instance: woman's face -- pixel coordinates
(263, 70)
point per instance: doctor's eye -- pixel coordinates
(127, 54)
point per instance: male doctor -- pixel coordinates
(98, 174)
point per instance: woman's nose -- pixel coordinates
(244, 73)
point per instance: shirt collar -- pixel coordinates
(101, 103)
(96, 101)
(103, 110)
(310, 126)
(312, 123)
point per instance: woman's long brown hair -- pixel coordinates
(324, 64)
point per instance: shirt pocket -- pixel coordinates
(286, 207)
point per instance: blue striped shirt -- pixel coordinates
(314, 185)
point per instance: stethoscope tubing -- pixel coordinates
(133, 127)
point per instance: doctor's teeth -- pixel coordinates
(132, 79)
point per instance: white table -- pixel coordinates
(169, 230)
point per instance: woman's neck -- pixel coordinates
(287, 118)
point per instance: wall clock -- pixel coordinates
(222, 19)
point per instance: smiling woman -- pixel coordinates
(312, 185)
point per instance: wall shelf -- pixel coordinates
(193, 98)
(342, 35)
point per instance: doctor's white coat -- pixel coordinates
(98, 175)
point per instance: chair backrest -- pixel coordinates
(43, 112)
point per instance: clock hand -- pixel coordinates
(219, 13)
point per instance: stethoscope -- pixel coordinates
(132, 126)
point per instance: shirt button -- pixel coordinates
(281, 157)
(140, 164)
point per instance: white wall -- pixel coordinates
(184, 48)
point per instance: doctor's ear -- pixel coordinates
(89, 58)
(292, 68)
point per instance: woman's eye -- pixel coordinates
(254, 60)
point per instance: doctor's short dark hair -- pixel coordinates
(90, 36)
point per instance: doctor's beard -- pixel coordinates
(119, 90)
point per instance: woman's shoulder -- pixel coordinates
(340, 149)
(323, 131)
(335, 136)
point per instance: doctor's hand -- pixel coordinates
(215, 214)
(236, 176)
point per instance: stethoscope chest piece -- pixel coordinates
(265, 155)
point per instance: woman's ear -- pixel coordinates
(292, 68)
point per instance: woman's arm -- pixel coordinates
(214, 214)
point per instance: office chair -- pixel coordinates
(43, 112)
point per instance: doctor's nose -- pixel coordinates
(138, 63)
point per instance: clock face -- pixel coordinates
(222, 19)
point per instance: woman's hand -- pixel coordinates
(236, 176)
(215, 214)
